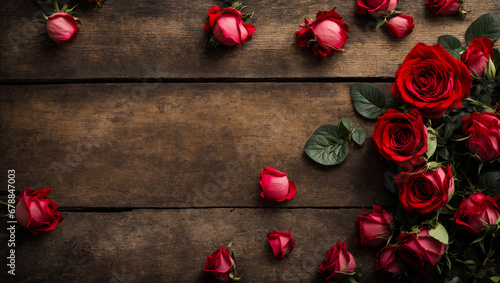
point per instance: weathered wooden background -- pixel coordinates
(153, 148)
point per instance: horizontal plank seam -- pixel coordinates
(128, 209)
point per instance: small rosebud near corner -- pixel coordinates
(61, 26)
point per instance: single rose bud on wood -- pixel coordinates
(444, 7)
(399, 26)
(36, 213)
(376, 8)
(338, 263)
(275, 186)
(373, 229)
(62, 27)
(221, 265)
(281, 242)
(227, 26)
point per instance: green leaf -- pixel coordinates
(368, 100)
(443, 152)
(487, 25)
(326, 147)
(359, 135)
(431, 142)
(449, 42)
(439, 233)
(345, 127)
(490, 183)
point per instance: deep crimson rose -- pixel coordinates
(483, 130)
(281, 242)
(477, 55)
(227, 26)
(475, 210)
(425, 190)
(275, 186)
(443, 7)
(327, 32)
(432, 81)
(62, 27)
(400, 26)
(420, 250)
(387, 261)
(37, 213)
(400, 137)
(337, 259)
(219, 264)
(374, 229)
(376, 8)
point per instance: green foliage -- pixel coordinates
(368, 100)
(487, 25)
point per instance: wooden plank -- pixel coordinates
(170, 145)
(172, 245)
(135, 39)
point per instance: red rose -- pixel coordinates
(431, 80)
(227, 26)
(420, 250)
(275, 186)
(443, 7)
(477, 55)
(337, 259)
(37, 213)
(400, 136)
(374, 229)
(400, 26)
(483, 130)
(387, 262)
(376, 8)
(425, 190)
(475, 210)
(219, 264)
(282, 243)
(62, 27)
(327, 32)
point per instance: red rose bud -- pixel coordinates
(475, 212)
(376, 8)
(282, 243)
(374, 229)
(219, 264)
(432, 81)
(275, 186)
(483, 130)
(477, 56)
(227, 26)
(400, 136)
(327, 32)
(425, 190)
(420, 250)
(400, 26)
(62, 27)
(444, 7)
(37, 213)
(387, 262)
(337, 263)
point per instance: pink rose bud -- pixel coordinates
(227, 26)
(376, 8)
(477, 55)
(62, 27)
(483, 130)
(37, 213)
(475, 210)
(443, 7)
(282, 243)
(275, 186)
(387, 262)
(337, 263)
(374, 229)
(219, 264)
(400, 26)
(420, 250)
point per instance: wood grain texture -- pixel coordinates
(171, 145)
(172, 245)
(135, 39)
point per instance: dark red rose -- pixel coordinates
(425, 190)
(376, 8)
(444, 7)
(275, 186)
(374, 229)
(336, 260)
(432, 81)
(475, 211)
(387, 261)
(400, 26)
(327, 33)
(477, 55)
(483, 130)
(37, 213)
(281, 242)
(420, 250)
(219, 264)
(400, 136)
(227, 26)
(62, 27)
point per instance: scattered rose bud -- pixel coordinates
(476, 211)
(227, 26)
(62, 27)
(275, 186)
(483, 130)
(400, 26)
(37, 213)
(477, 56)
(282, 243)
(374, 229)
(444, 7)
(338, 263)
(376, 8)
(221, 265)
(387, 262)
